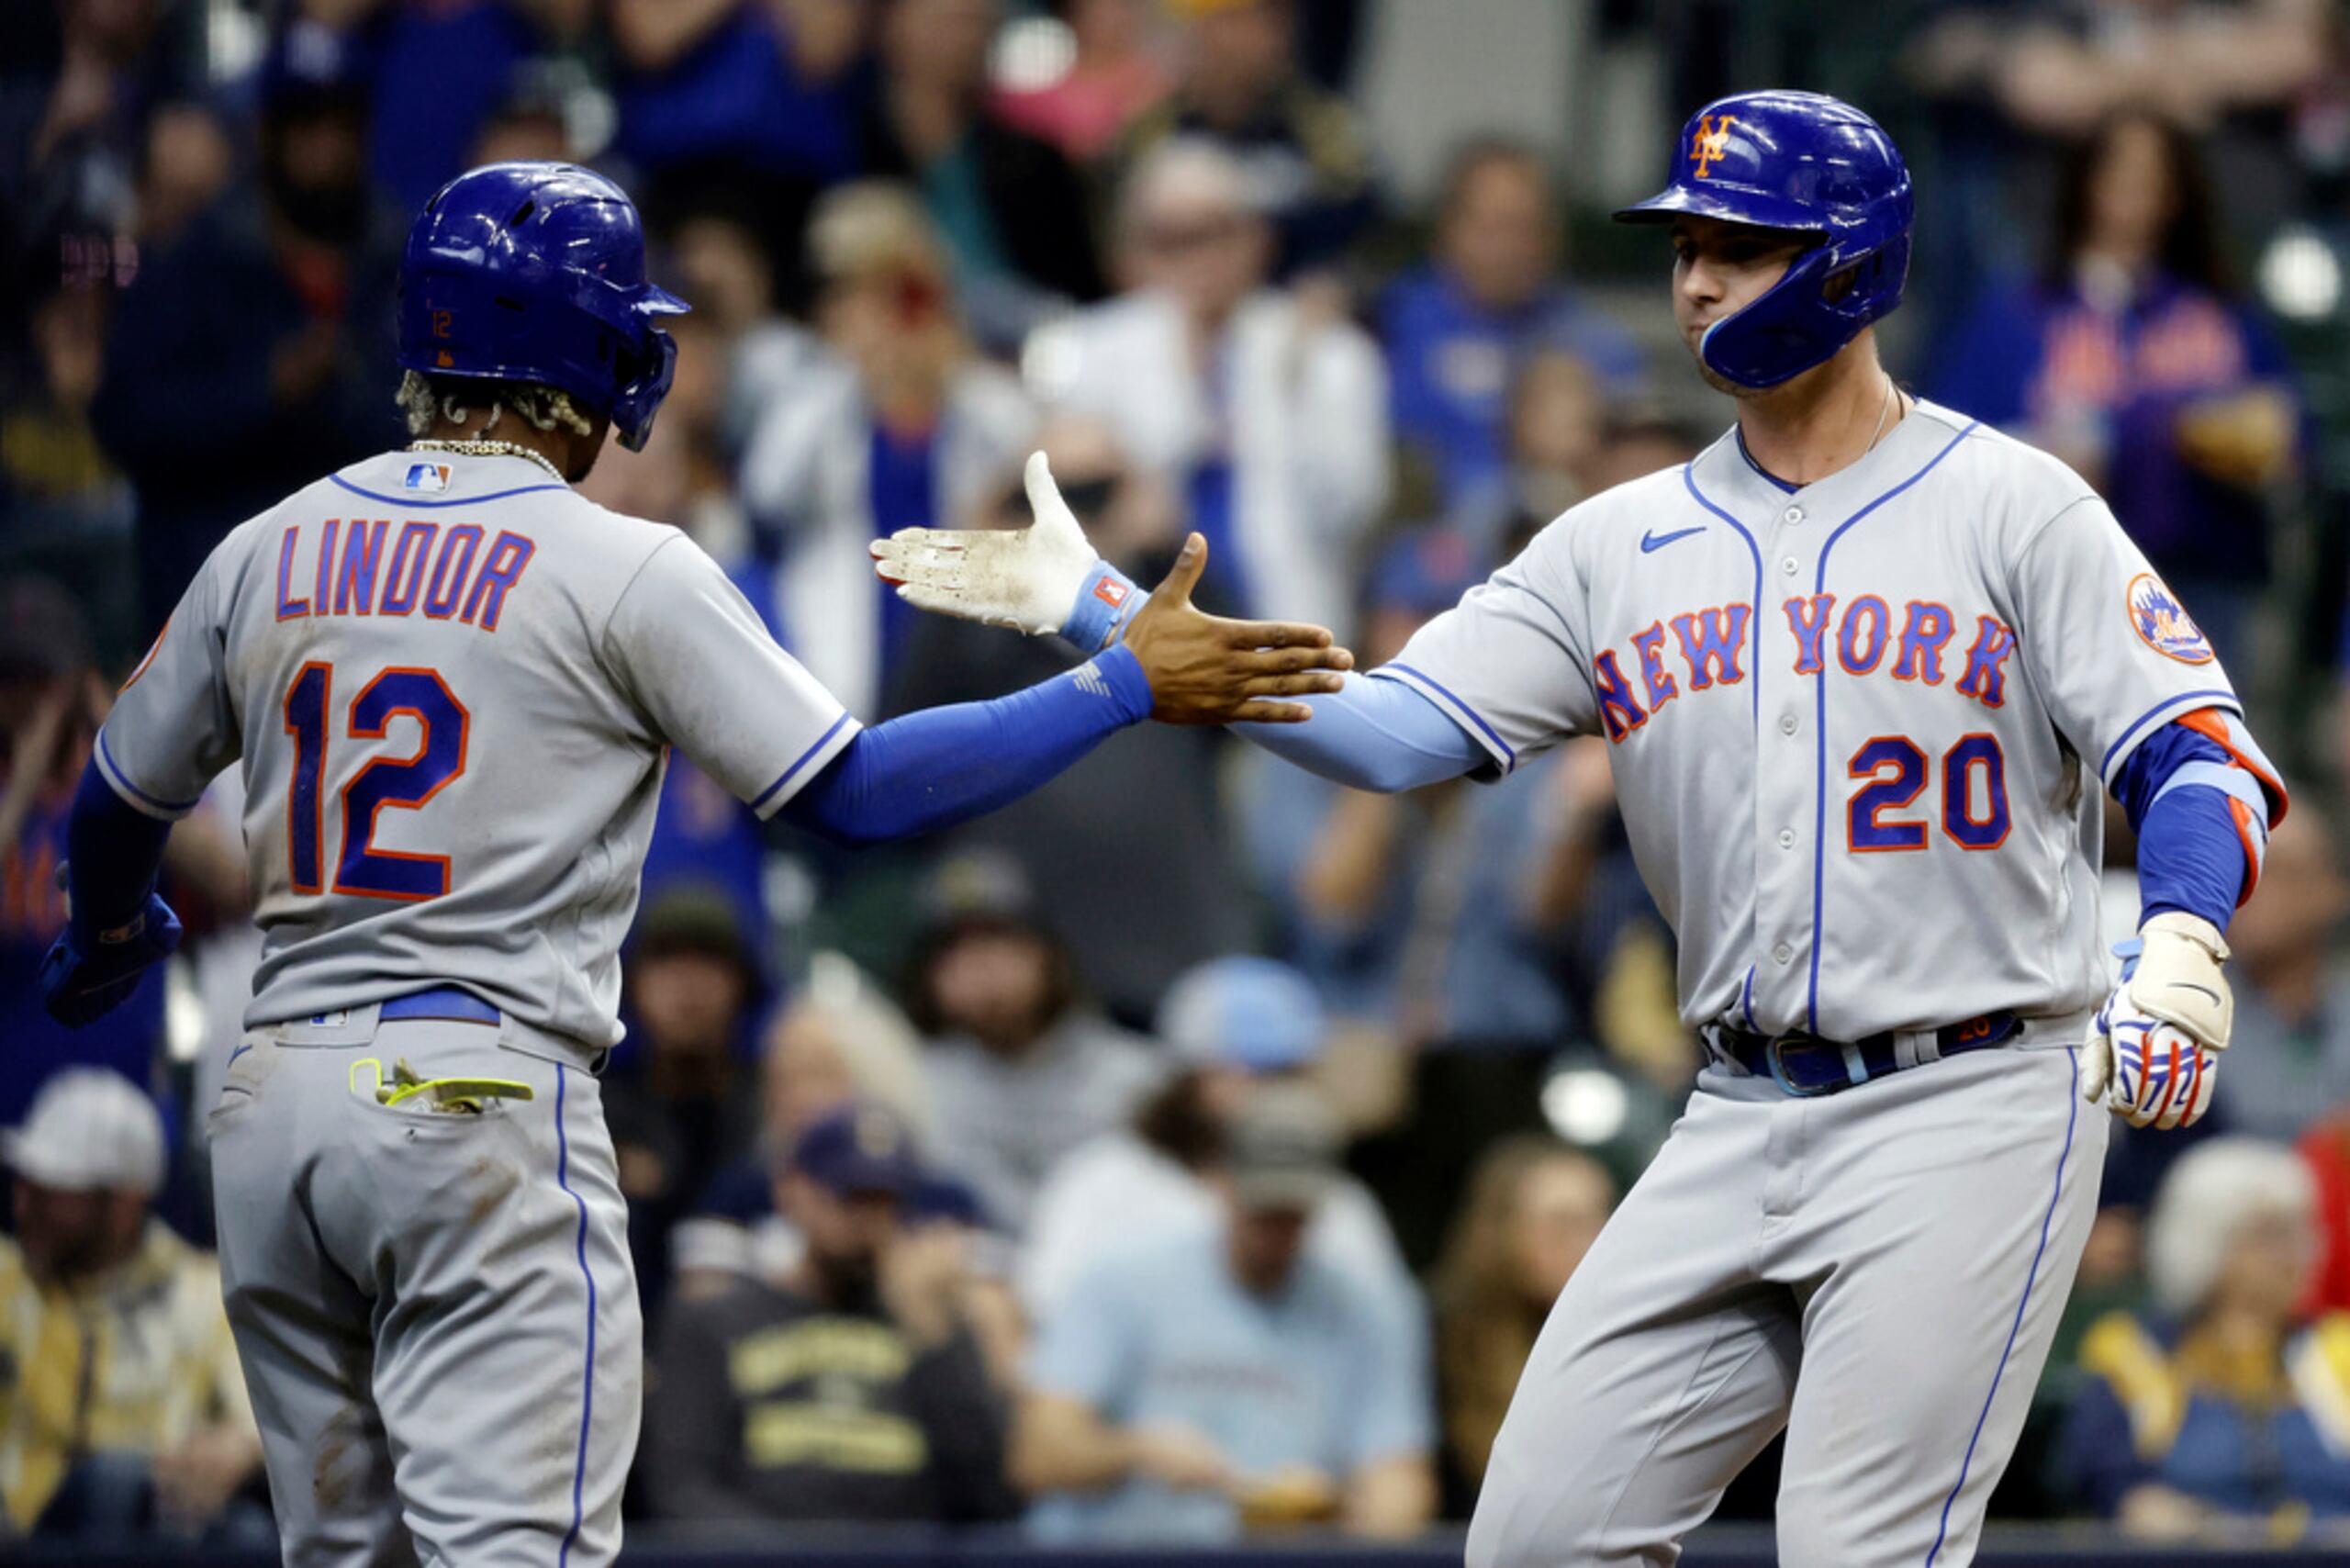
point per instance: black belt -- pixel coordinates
(1806, 1065)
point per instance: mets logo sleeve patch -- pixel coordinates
(2162, 624)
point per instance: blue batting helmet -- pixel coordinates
(1814, 164)
(536, 272)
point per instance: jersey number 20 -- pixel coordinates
(404, 782)
(1897, 771)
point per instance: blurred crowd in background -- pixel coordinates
(1194, 1148)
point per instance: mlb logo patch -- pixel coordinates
(430, 477)
(2162, 623)
(1110, 591)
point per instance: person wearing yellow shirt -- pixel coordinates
(121, 1408)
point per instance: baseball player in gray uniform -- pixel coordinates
(451, 683)
(1867, 671)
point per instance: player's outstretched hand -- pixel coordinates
(1026, 579)
(2152, 1052)
(1204, 669)
(86, 976)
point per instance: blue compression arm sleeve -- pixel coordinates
(922, 772)
(113, 852)
(1373, 734)
(2175, 788)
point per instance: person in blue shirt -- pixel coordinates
(1458, 328)
(2131, 356)
(1195, 1382)
(773, 87)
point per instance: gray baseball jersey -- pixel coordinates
(1858, 730)
(452, 681)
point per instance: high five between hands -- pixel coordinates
(1204, 669)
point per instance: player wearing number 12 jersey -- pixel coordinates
(451, 682)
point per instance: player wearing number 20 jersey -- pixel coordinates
(453, 678)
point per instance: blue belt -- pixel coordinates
(443, 1002)
(1805, 1065)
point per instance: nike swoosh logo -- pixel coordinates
(2203, 990)
(1652, 541)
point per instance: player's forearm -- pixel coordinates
(1380, 736)
(113, 853)
(926, 771)
(2201, 814)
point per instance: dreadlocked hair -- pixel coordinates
(427, 403)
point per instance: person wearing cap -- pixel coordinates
(1022, 1069)
(1234, 1026)
(121, 1405)
(1195, 1385)
(852, 1389)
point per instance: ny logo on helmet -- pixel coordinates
(1712, 142)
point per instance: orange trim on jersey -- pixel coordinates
(2212, 725)
(2248, 832)
(152, 649)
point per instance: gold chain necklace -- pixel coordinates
(488, 449)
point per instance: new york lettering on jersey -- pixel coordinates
(1883, 702)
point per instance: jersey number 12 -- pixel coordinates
(405, 783)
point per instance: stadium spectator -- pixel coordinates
(69, 510)
(1419, 911)
(1459, 328)
(2222, 1411)
(835, 1045)
(1268, 417)
(2292, 997)
(1560, 451)
(1010, 208)
(251, 356)
(856, 1389)
(736, 242)
(1533, 1209)
(52, 702)
(122, 1411)
(1306, 157)
(1113, 76)
(1021, 1067)
(680, 1106)
(1234, 1026)
(916, 431)
(771, 83)
(2131, 356)
(1192, 1384)
(436, 72)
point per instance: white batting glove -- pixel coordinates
(1029, 579)
(2152, 1054)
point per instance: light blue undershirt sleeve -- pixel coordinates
(1373, 734)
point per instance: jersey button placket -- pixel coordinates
(1783, 792)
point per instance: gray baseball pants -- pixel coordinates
(434, 1308)
(1878, 1272)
